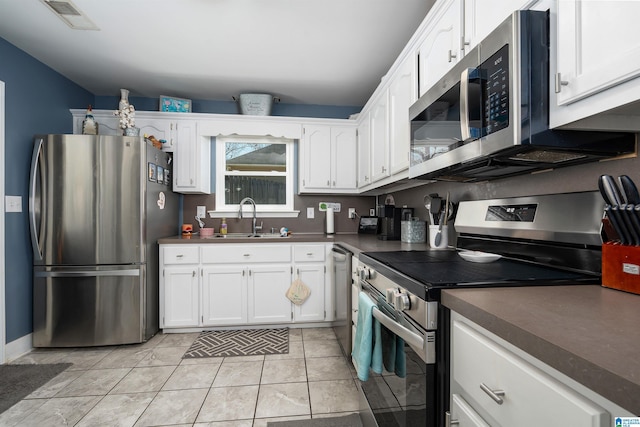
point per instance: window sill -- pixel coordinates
(259, 214)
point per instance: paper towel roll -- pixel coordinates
(330, 229)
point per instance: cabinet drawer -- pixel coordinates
(531, 397)
(302, 253)
(213, 254)
(183, 254)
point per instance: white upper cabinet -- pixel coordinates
(440, 48)
(483, 16)
(161, 129)
(328, 158)
(402, 93)
(364, 151)
(379, 137)
(192, 159)
(597, 58)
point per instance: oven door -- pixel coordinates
(409, 400)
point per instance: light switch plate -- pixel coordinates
(201, 212)
(310, 213)
(13, 204)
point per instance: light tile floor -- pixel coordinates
(151, 385)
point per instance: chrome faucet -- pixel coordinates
(254, 227)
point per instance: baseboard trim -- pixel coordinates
(19, 347)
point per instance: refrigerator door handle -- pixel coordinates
(35, 197)
(87, 273)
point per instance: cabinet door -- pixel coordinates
(597, 46)
(530, 397)
(440, 49)
(188, 159)
(364, 152)
(267, 288)
(379, 139)
(483, 16)
(343, 163)
(224, 295)
(313, 309)
(181, 296)
(402, 93)
(316, 157)
(463, 415)
(161, 129)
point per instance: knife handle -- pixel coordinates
(611, 192)
(618, 224)
(629, 189)
(628, 214)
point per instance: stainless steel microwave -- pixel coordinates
(488, 117)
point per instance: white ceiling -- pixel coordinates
(327, 52)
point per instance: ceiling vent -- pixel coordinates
(70, 14)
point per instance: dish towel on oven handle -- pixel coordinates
(393, 356)
(367, 347)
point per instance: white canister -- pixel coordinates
(329, 221)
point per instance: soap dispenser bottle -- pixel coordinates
(223, 227)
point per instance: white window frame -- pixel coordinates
(221, 207)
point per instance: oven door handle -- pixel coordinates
(408, 336)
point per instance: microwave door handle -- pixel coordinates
(465, 129)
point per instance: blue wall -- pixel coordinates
(37, 101)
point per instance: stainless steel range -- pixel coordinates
(543, 240)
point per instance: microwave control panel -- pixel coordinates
(496, 91)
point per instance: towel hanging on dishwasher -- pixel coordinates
(298, 292)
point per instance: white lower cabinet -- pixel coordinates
(212, 285)
(313, 309)
(491, 384)
(267, 288)
(224, 295)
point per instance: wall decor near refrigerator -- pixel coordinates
(95, 218)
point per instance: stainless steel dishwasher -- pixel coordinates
(342, 284)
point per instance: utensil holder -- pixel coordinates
(621, 267)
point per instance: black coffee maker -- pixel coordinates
(390, 217)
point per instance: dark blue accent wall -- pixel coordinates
(37, 100)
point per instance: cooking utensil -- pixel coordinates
(629, 190)
(444, 216)
(427, 204)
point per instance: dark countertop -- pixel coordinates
(356, 243)
(589, 333)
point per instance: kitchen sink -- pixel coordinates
(246, 236)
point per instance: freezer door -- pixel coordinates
(85, 200)
(93, 307)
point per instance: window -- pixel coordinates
(256, 167)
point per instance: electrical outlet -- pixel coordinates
(13, 204)
(201, 212)
(372, 212)
(352, 213)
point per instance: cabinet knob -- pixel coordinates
(452, 55)
(496, 395)
(560, 83)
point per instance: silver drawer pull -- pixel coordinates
(309, 253)
(246, 255)
(496, 395)
(179, 256)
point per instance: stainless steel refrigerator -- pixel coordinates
(97, 206)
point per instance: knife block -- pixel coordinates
(621, 267)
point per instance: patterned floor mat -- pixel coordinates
(246, 342)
